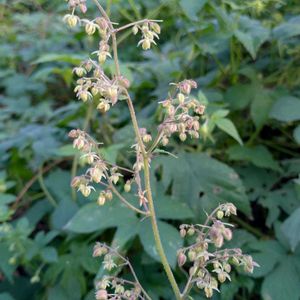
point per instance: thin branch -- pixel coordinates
(135, 23)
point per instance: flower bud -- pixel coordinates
(127, 186)
(182, 136)
(147, 138)
(135, 29)
(101, 295)
(99, 250)
(119, 289)
(191, 231)
(79, 143)
(146, 44)
(227, 233)
(155, 27)
(72, 20)
(208, 292)
(222, 276)
(227, 267)
(79, 71)
(90, 28)
(85, 189)
(200, 109)
(165, 141)
(83, 8)
(180, 98)
(192, 255)
(75, 181)
(102, 57)
(96, 174)
(181, 259)
(220, 214)
(101, 199)
(182, 232)
(84, 95)
(108, 195)
(73, 133)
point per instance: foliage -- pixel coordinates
(244, 56)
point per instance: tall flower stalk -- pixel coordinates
(182, 116)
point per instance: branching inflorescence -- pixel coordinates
(206, 267)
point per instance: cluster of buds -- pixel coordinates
(150, 31)
(111, 287)
(98, 169)
(81, 4)
(182, 113)
(208, 269)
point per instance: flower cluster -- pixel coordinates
(150, 30)
(208, 269)
(182, 113)
(112, 287)
(99, 169)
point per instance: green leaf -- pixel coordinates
(251, 34)
(170, 238)
(73, 59)
(283, 283)
(172, 209)
(259, 155)
(296, 134)
(261, 106)
(239, 96)
(191, 7)
(286, 109)
(227, 126)
(201, 181)
(287, 29)
(91, 217)
(291, 229)
(49, 254)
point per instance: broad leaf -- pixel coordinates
(91, 217)
(202, 181)
(286, 109)
(227, 126)
(291, 228)
(191, 7)
(170, 238)
(260, 156)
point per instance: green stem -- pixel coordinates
(156, 234)
(157, 239)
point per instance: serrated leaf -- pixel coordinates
(227, 126)
(202, 182)
(251, 34)
(286, 109)
(170, 238)
(259, 155)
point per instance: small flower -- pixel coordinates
(90, 28)
(99, 250)
(85, 189)
(101, 295)
(79, 71)
(71, 20)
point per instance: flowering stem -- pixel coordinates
(156, 234)
(135, 23)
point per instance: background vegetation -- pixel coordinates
(245, 56)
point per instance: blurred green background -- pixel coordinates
(245, 57)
